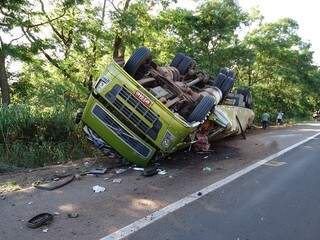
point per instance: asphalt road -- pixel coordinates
(271, 202)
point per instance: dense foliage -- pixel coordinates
(64, 44)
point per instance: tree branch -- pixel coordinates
(53, 61)
(50, 22)
(114, 6)
(16, 39)
(47, 22)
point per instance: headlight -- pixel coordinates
(101, 83)
(167, 140)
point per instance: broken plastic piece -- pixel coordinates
(162, 171)
(207, 169)
(121, 170)
(73, 215)
(117, 180)
(98, 189)
(138, 169)
(98, 171)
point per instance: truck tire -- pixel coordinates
(224, 81)
(202, 109)
(185, 64)
(138, 58)
(177, 59)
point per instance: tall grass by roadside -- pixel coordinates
(32, 137)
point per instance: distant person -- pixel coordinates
(265, 117)
(280, 118)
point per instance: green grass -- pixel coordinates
(31, 137)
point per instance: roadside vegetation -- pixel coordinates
(52, 51)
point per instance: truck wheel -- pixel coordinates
(177, 59)
(137, 59)
(202, 109)
(185, 64)
(247, 96)
(224, 81)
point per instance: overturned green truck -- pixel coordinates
(144, 111)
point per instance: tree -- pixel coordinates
(9, 19)
(280, 69)
(206, 32)
(15, 15)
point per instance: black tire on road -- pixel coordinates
(202, 109)
(138, 58)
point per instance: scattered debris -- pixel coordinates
(77, 176)
(121, 170)
(98, 171)
(206, 152)
(207, 169)
(73, 215)
(98, 189)
(162, 171)
(55, 184)
(150, 171)
(117, 180)
(138, 169)
(202, 143)
(39, 220)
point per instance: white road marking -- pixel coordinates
(147, 220)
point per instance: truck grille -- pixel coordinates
(121, 132)
(117, 92)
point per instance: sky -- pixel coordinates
(306, 13)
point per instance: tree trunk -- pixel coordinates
(118, 44)
(118, 50)
(4, 84)
(92, 62)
